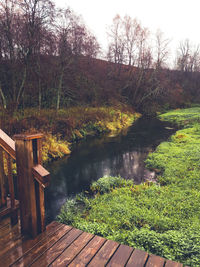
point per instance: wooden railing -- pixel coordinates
(32, 178)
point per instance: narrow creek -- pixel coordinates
(95, 157)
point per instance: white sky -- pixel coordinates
(178, 19)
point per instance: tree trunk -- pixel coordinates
(3, 98)
(59, 90)
(39, 95)
(21, 88)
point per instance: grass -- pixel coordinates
(162, 218)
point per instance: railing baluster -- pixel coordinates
(32, 178)
(10, 180)
(14, 212)
(2, 179)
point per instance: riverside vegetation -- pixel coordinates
(162, 218)
(67, 126)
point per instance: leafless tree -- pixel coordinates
(188, 57)
(161, 50)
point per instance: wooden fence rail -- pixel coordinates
(32, 178)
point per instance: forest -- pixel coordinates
(56, 79)
(50, 59)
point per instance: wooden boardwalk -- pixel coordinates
(62, 245)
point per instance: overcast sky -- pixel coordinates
(178, 19)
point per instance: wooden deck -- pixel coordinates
(62, 245)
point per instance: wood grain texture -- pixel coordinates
(24, 245)
(28, 137)
(10, 180)
(56, 250)
(104, 254)
(155, 261)
(72, 251)
(26, 187)
(61, 245)
(121, 256)
(7, 144)
(84, 257)
(138, 258)
(42, 246)
(41, 175)
(173, 264)
(2, 180)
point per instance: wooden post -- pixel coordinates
(26, 159)
(2, 180)
(39, 187)
(14, 212)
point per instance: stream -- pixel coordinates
(96, 157)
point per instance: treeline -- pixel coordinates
(48, 59)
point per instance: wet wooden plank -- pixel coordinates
(42, 246)
(137, 259)
(173, 264)
(155, 261)
(88, 252)
(52, 253)
(70, 253)
(3, 222)
(11, 234)
(5, 229)
(104, 254)
(12, 243)
(26, 245)
(121, 256)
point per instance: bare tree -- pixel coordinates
(161, 50)
(188, 57)
(73, 41)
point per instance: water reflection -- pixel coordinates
(123, 155)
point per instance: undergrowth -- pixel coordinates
(162, 218)
(67, 125)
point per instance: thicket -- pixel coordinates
(161, 218)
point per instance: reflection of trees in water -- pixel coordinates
(94, 158)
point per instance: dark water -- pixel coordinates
(93, 158)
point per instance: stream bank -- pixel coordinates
(121, 155)
(161, 218)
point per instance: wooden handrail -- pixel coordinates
(41, 175)
(7, 144)
(7, 155)
(32, 179)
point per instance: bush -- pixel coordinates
(106, 183)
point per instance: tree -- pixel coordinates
(130, 49)
(73, 41)
(188, 57)
(38, 17)
(161, 50)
